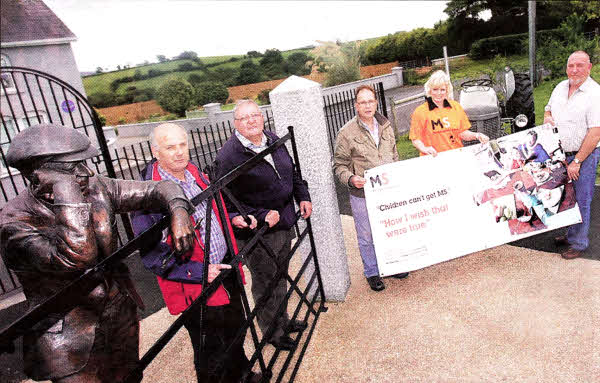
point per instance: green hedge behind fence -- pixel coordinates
(508, 44)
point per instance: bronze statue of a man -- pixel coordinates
(63, 224)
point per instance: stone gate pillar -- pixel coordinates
(299, 102)
(211, 111)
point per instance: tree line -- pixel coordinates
(471, 20)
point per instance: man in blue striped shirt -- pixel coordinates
(181, 281)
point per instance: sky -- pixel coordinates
(120, 32)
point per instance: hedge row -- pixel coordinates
(185, 67)
(508, 44)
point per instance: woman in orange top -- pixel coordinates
(440, 123)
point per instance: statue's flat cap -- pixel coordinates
(51, 142)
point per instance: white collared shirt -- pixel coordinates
(574, 115)
(257, 148)
(375, 133)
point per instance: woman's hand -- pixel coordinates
(482, 138)
(429, 150)
(424, 149)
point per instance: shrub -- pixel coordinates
(198, 62)
(341, 62)
(207, 92)
(102, 99)
(149, 92)
(126, 98)
(492, 46)
(137, 75)
(225, 75)
(263, 97)
(141, 98)
(175, 96)
(187, 55)
(195, 78)
(554, 53)
(508, 44)
(102, 119)
(296, 64)
(272, 64)
(185, 67)
(249, 73)
(114, 85)
(410, 77)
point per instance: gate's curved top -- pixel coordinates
(29, 97)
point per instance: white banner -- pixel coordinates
(429, 209)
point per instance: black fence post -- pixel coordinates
(382, 99)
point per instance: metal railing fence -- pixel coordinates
(204, 144)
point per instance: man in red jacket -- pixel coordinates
(181, 280)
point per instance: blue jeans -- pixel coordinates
(364, 236)
(577, 235)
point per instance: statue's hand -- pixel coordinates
(182, 231)
(53, 186)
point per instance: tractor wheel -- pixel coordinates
(521, 101)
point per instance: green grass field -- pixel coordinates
(467, 68)
(101, 82)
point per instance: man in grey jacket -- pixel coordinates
(366, 141)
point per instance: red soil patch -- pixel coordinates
(131, 112)
(252, 90)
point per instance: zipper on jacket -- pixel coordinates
(226, 292)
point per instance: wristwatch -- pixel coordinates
(576, 160)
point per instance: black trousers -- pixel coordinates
(221, 324)
(263, 269)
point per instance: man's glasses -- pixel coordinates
(249, 116)
(367, 103)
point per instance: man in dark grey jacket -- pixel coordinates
(267, 192)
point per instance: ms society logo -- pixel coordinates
(379, 180)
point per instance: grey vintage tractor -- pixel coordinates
(506, 109)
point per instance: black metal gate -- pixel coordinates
(29, 97)
(32, 97)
